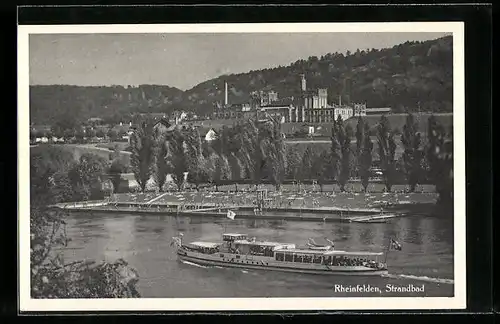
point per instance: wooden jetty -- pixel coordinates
(373, 219)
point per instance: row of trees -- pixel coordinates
(56, 177)
(419, 163)
(248, 150)
(257, 151)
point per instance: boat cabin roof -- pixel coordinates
(328, 253)
(261, 243)
(353, 253)
(209, 245)
(300, 251)
(234, 235)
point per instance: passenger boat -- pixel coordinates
(237, 250)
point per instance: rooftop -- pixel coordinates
(164, 121)
(234, 234)
(271, 107)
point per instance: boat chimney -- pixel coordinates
(225, 94)
(340, 100)
(303, 82)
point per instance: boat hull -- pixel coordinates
(270, 264)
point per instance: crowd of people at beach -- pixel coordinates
(297, 197)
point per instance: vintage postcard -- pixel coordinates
(242, 167)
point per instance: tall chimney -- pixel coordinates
(303, 82)
(340, 100)
(225, 94)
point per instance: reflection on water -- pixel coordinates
(144, 241)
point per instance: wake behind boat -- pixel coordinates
(237, 250)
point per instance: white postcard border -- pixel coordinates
(245, 304)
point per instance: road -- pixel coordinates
(94, 147)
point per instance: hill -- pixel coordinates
(411, 76)
(49, 102)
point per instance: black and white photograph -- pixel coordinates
(242, 166)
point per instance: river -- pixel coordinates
(144, 241)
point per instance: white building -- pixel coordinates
(211, 135)
(344, 111)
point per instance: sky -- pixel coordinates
(184, 60)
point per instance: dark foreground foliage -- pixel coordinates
(51, 275)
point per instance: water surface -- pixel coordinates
(144, 241)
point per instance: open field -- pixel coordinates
(79, 149)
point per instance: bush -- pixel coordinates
(51, 277)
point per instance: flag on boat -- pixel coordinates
(231, 214)
(395, 245)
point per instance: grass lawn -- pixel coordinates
(111, 146)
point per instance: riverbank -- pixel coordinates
(306, 206)
(324, 214)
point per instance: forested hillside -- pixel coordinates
(413, 75)
(49, 102)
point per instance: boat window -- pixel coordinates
(297, 258)
(221, 255)
(256, 250)
(268, 251)
(327, 260)
(288, 257)
(280, 257)
(307, 259)
(317, 259)
(237, 257)
(352, 261)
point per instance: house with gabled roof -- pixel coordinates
(210, 135)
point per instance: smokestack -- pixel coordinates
(225, 94)
(303, 82)
(340, 100)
